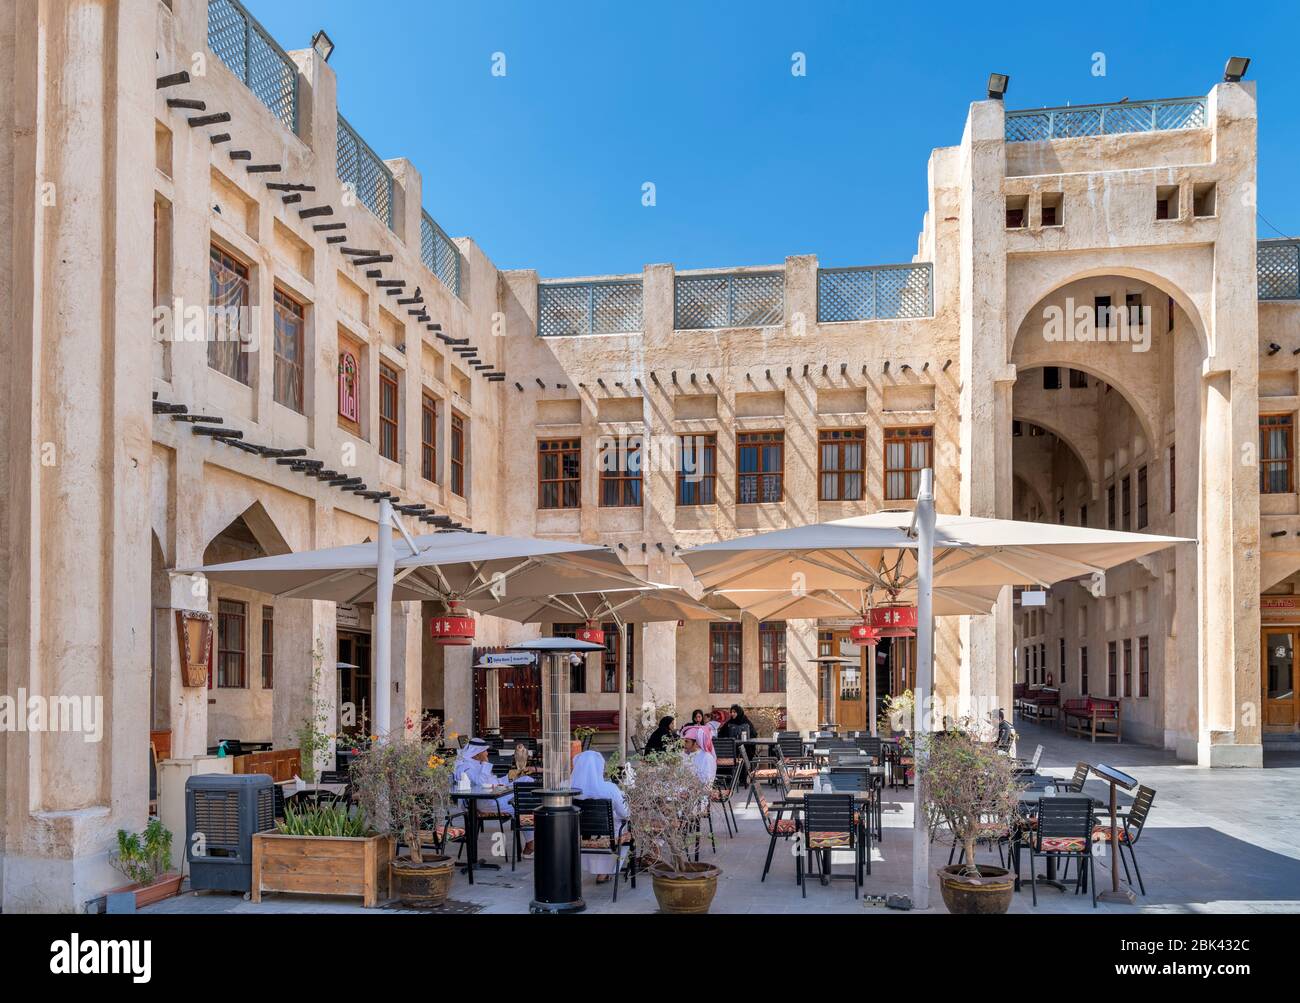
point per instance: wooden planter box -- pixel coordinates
(163, 887)
(322, 865)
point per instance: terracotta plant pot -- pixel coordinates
(988, 895)
(163, 887)
(575, 747)
(422, 885)
(689, 891)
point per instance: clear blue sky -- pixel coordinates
(544, 166)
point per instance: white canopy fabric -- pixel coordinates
(878, 553)
(851, 604)
(449, 565)
(651, 603)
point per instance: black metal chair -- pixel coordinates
(761, 769)
(439, 828)
(599, 833)
(857, 780)
(829, 823)
(1075, 784)
(785, 827)
(799, 769)
(1027, 767)
(527, 799)
(1129, 829)
(1064, 832)
(872, 747)
(724, 786)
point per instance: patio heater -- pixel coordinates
(557, 871)
(827, 664)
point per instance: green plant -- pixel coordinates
(141, 857)
(648, 720)
(403, 785)
(614, 767)
(582, 733)
(967, 787)
(898, 712)
(665, 800)
(322, 820)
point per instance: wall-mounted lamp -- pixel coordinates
(998, 83)
(1235, 69)
(323, 45)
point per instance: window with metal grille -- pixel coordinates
(232, 644)
(268, 647)
(428, 437)
(1276, 454)
(1126, 502)
(771, 657)
(1128, 667)
(1112, 669)
(724, 658)
(697, 473)
(1060, 657)
(907, 452)
(1144, 667)
(229, 328)
(388, 413)
(1110, 507)
(1083, 671)
(620, 472)
(457, 454)
(609, 658)
(760, 467)
(840, 463)
(1142, 497)
(559, 473)
(289, 326)
(577, 666)
(629, 656)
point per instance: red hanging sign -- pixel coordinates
(592, 633)
(894, 621)
(452, 627)
(864, 633)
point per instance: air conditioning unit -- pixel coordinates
(222, 812)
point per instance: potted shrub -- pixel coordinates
(665, 799)
(970, 789)
(325, 850)
(405, 781)
(346, 748)
(143, 857)
(582, 736)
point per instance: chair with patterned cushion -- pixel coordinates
(1075, 784)
(858, 780)
(1129, 829)
(438, 828)
(598, 832)
(798, 770)
(899, 760)
(784, 827)
(829, 823)
(724, 786)
(1063, 832)
(527, 799)
(763, 769)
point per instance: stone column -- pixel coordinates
(79, 85)
(801, 675)
(306, 684)
(408, 669)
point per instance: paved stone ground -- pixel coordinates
(1217, 841)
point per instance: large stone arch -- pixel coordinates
(1087, 458)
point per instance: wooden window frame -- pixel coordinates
(1083, 670)
(699, 487)
(287, 306)
(626, 484)
(1112, 668)
(429, 437)
(1112, 508)
(560, 448)
(1143, 497)
(390, 426)
(1126, 502)
(1126, 666)
(910, 474)
(457, 436)
(224, 616)
(761, 442)
(772, 656)
(1144, 666)
(730, 632)
(837, 441)
(1267, 422)
(609, 657)
(219, 257)
(268, 647)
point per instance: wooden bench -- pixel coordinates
(601, 720)
(1040, 704)
(1088, 717)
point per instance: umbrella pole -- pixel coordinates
(871, 688)
(622, 693)
(924, 683)
(383, 626)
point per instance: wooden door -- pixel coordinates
(848, 684)
(1278, 672)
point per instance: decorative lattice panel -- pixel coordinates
(881, 292)
(440, 255)
(360, 166)
(1106, 120)
(252, 55)
(1277, 266)
(579, 308)
(729, 300)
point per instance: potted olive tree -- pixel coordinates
(666, 800)
(969, 789)
(403, 785)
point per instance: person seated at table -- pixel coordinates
(1004, 732)
(698, 741)
(699, 717)
(472, 761)
(662, 736)
(739, 727)
(589, 781)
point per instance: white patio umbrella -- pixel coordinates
(894, 553)
(649, 603)
(449, 566)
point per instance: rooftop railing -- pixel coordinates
(359, 166)
(1277, 269)
(580, 308)
(1032, 125)
(252, 55)
(875, 292)
(728, 299)
(439, 254)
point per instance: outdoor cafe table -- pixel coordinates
(472, 797)
(292, 788)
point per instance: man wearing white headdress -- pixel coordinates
(589, 780)
(698, 741)
(472, 762)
